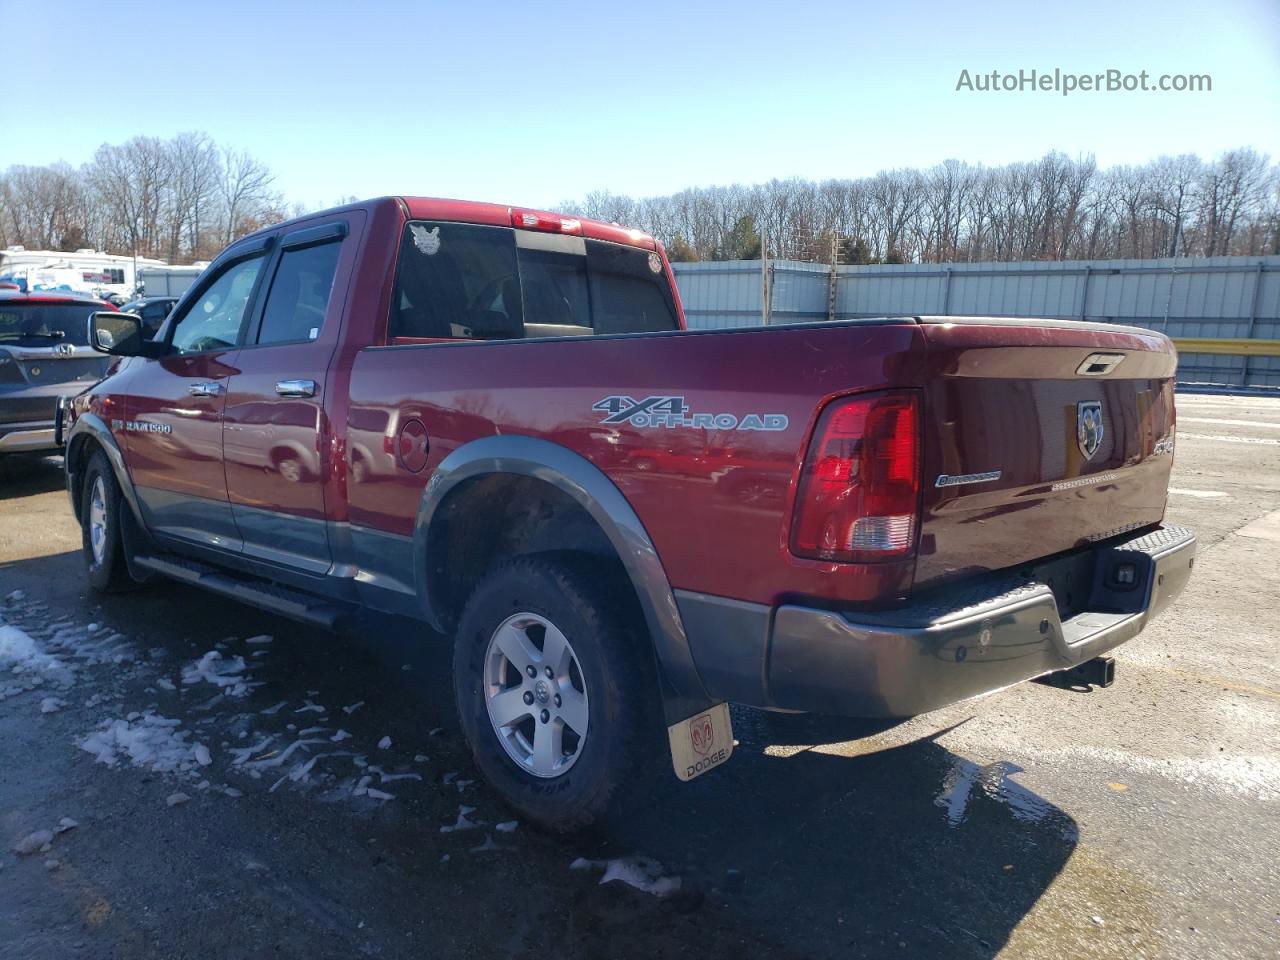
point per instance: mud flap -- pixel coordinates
(701, 742)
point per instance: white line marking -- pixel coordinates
(1230, 423)
(1206, 494)
(1209, 436)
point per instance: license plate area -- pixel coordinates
(1071, 579)
(54, 370)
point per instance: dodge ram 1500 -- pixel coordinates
(493, 420)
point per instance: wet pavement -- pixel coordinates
(238, 797)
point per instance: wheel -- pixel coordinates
(100, 528)
(553, 687)
(290, 468)
(359, 469)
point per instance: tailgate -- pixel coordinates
(1039, 437)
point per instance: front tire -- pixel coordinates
(553, 686)
(100, 515)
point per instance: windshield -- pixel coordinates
(39, 324)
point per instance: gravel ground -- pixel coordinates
(1138, 821)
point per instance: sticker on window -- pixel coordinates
(655, 263)
(428, 241)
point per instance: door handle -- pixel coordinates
(296, 388)
(211, 389)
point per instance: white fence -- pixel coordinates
(1229, 297)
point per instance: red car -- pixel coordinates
(501, 426)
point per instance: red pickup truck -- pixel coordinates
(493, 420)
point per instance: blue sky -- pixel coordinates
(538, 102)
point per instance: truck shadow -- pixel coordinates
(909, 849)
(25, 474)
(816, 840)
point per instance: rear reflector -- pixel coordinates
(860, 485)
(548, 222)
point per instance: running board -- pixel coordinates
(263, 594)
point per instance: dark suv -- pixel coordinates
(152, 310)
(44, 352)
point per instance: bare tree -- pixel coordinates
(246, 190)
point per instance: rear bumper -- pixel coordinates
(26, 437)
(955, 645)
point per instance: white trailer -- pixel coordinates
(166, 281)
(82, 271)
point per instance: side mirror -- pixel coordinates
(120, 335)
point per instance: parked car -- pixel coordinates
(930, 508)
(44, 353)
(152, 310)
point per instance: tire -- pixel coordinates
(572, 783)
(100, 517)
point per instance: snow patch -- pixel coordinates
(643, 873)
(22, 656)
(226, 673)
(33, 843)
(149, 741)
(463, 823)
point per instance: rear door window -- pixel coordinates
(463, 281)
(299, 294)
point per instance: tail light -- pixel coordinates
(548, 222)
(859, 493)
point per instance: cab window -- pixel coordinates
(463, 281)
(457, 280)
(216, 320)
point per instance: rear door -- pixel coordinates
(275, 428)
(173, 424)
(1040, 437)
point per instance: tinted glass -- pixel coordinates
(214, 321)
(457, 281)
(556, 302)
(472, 282)
(629, 290)
(299, 294)
(39, 325)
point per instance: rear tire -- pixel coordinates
(554, 688)
(100, 518)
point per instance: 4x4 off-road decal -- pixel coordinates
(674, 412)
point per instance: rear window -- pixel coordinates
(462, 281)
(40, 324)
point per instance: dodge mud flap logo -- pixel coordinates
(701, 742)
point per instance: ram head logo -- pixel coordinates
(1089, 429)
